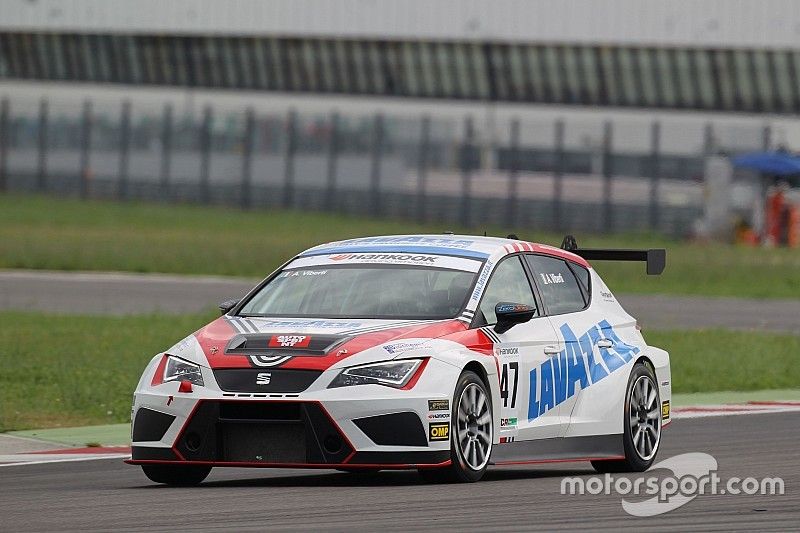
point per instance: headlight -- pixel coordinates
(391, 373)
(180, 370)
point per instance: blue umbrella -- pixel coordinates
(775, 163)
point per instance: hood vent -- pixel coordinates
(288, 344)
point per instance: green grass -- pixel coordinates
(62, 234)
(63, 371)
(722, 360)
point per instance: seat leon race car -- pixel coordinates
(440, 353)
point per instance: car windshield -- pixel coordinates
(382, 291)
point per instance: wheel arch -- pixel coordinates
(493, 386)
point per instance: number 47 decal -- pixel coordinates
(504, 383)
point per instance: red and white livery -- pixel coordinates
(442, 353)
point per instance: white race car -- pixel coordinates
(441, 353)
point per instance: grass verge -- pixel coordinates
(62, 234)
(62, 371)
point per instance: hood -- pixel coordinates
(307, 344)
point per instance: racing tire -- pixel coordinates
(471, 433)
(176, 475)
(641, 434)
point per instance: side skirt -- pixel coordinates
(595, 447)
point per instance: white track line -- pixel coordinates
(23, 459)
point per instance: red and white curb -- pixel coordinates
(749, 408)
(66, 455)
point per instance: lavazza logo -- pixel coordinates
(290, 340)
(692, 474)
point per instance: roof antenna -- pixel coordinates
(512, 236)
(484, 233)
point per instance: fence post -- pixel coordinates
(422, 168)
(558, 174)
(4, 120)
(513, 176)
(766, 137)
(466, 172)
(86, 146)
(288, 168)
(375, 168)
(333, 155)
(708, 139)
(205, 155)
(166, 152)
(655, 173)
(608, 221)
(124, 149)
(41, 175)
(247, 157)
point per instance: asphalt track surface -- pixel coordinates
(124, 293)
(109, 495)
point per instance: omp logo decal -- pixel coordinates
(439, 431)
(263, 378)
(555, 380)
(289, 341)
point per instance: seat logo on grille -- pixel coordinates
(263, 378)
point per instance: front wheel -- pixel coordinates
(471, 433)
(641, 424)
(178, 475)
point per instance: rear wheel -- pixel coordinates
(178, 475)
(471, 433)
(641, 424)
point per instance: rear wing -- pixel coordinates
(656, 259)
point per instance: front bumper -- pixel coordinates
(365, 426)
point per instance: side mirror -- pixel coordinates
(227, 305)
(511, 314)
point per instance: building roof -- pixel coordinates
(725, 23)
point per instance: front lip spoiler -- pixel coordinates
(399, 466)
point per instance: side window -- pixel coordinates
(557, 284)
(509, 283)
(583, 278)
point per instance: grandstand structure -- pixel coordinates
(510, 92)
(716, 55)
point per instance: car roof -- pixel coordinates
(478, 247)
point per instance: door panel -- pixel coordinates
(521, 355)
